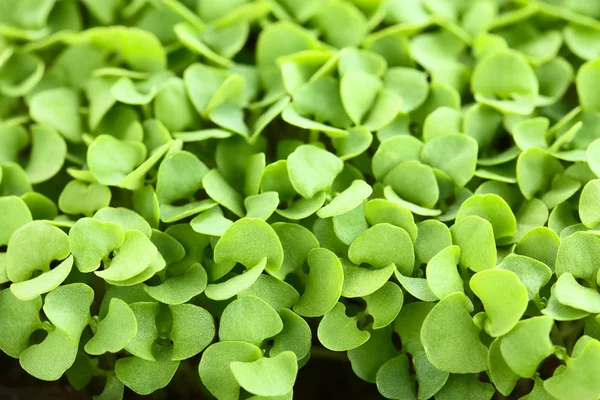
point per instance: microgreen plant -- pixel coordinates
(235, 187)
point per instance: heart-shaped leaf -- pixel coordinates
(504, 298)
(234, 245)
(273, 376)
(234, 325)
(50, 243)
(338, 332)
(113, 331)
(451, 339)
(323, 285)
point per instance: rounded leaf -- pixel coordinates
(50, 243)
(215, 371)
(492, 208)
(273, 376)
(247, 242)
(235, 324)
(451, 339)
(312, 170)
(339, 332)
(455, 154)
(504, 298)
(382, 245)
(323, 286)
(113, 331)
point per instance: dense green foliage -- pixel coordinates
(234, 184)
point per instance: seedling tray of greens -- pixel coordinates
(227, 187)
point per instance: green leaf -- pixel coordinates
(145, 315)
(193, 329)
(215, 371)
(540, 244)
(451, 339)
(143, 376)
(429, 378)
(235, 325)
(527, 345)
(504, 298)
(417, 287)
(351, 224)
(59, 108)
(32, 288)
(261, 205)
(571, 294)
(381, 245)
(559, 311)
(354, 144)
(273, 376)
(297, 242)
(113, 389)
(220, 191)
(81, 198)
(211, 222)
(465, 386)
(320, 99)
(492, 208)
(113, 331)
(443, 121)
(368, 358)
(180, 289)
(475, 237)
(236, 284)
(92, 241)
(135, 254)
(339, 332)
(455, 154)
(14, 213)
(577, 255)
(51, 358)
(433, 50)
(585, 82)
(19, 320)
(68, 308)
(347, 200)
(312, 170)
(432, 237)
(47, 154)
(379, 211)
(110, 160)
(296, 335)
(414, 182)
(580, 376)
(323, 286)
(172, 106)
(409, 84)
(172, 184)
(501, 375)
(535, 170)
(409, 322)
(394, 380)
(532, 273)
(358, 91)
(360, 281)
(277, 293)
(384, 304)
(588, 203)
(394, 151)
(505, 81)
(350, 32)
(234, 245)
(50, 243)
(442, 273)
